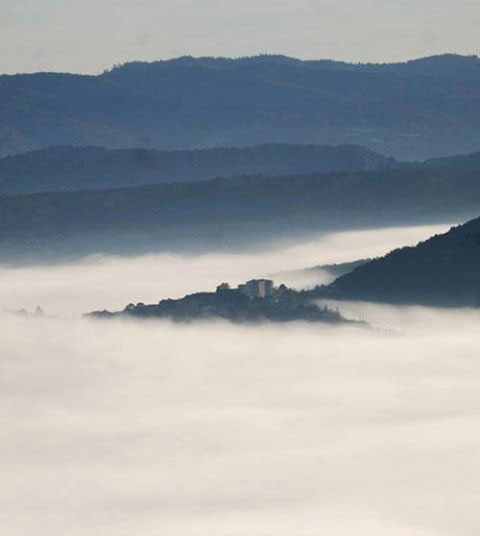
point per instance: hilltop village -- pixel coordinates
(254, 301)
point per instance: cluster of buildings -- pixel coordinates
(255, 288)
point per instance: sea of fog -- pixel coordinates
(130, 428)
(112, 282)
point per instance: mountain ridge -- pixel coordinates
(441, 271)
(68, 168)
(449, 59)
(413, 110)
(237, 212)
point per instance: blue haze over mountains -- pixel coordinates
(79, 192)
(413, 111)
(235, 212)
(219, 386)
(67, 168)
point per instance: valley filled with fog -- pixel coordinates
(239, 268)
(216, 429)
(112, 282)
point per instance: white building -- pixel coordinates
(257, 288)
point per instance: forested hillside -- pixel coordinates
(444, 270)
(230, 212)
(466, 162)
(415, 110)
(66, 168)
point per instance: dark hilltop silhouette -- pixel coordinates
(441, 271)
(252, 302)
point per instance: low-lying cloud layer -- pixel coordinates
(123, 428)
(214, 430)
(113, 282)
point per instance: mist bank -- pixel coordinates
(148, 427)
(307, 278)
(230, 214)
(111, 282)
(145, 428)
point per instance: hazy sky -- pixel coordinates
(90, 35)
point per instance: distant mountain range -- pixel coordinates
(415, 110)
(444, 270)
(236, 212)
(66, 168)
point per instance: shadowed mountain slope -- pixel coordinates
(67, 168)
(236, 212)
(414, 110)
(466, 162)
(444, 270)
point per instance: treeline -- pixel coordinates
(444, 270)
(230, 212)
(413, 110)
(68, 168)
